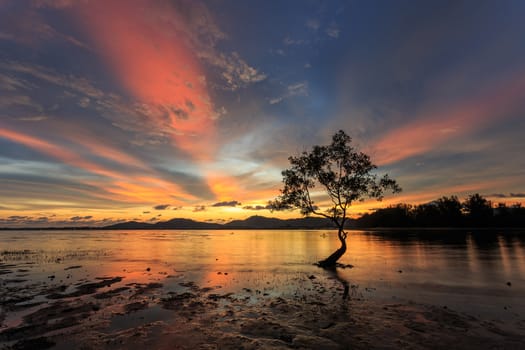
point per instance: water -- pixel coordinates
(480, 273)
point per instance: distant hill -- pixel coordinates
(253, 222)
(186, 224)
(262, 222)
(130, 225)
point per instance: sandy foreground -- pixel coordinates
(78, 311)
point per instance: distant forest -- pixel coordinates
(475, 211)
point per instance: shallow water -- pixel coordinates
(481, 273)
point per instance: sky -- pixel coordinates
(115, 110)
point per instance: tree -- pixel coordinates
(344, 174)
(478, 209)
(449, 210)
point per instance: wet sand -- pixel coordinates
(74, 309)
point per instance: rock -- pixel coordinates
(135, 306)
(35, 343)
(509, 284)
(266, 329)
(312, 277)
(312, 342)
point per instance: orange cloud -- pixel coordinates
(55, 151)
(120, 186)
(101, 150)
(437, 127)
(145, 47)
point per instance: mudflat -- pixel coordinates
(73, 309)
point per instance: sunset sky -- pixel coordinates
(116, 110)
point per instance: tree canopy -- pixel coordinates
(345, 174)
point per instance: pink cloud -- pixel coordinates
(144, 45)
(435, 127)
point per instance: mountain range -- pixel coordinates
(253, 222)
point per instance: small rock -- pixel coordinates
(400, 271)
(148, 269)
(509, 284)
(312, 277)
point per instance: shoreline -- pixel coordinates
(393, 229)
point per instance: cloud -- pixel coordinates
(333, 31)
(84, 102)
(18, 217)
(80, 218)
(20, 100)
(12, 83)
(114, 185)
(49, 221)
(235, 71)
(164, 76)
(226, 204)
(28, 27)
(436, 125)
(288, 41)
(161, 206)
(297, 89)
(510, 195)
(313, 24)
(204, 35)
(190, 23)
(75, 83)
(199, 208)
(275, 100)
(34, 118)
(256, 207)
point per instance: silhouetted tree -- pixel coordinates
(399, 215)
(478, 209)
(343, 173)
(517, 215)
(449, 210)
(427, 215)
(446, 212)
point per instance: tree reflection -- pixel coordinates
(334, 273)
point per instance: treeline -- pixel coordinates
(475, 211)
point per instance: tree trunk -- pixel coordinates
(331, 261)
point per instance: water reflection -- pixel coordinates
(429, 266)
